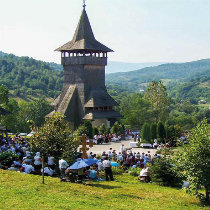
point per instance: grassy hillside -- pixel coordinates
(21, 191)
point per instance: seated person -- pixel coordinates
(27, 169)
(13, 168)
(48, 171)
(145, 175)
(92, 174)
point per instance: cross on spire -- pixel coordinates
(84, 5)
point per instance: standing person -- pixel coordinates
(62, 166)
(108, 169)
(135, 137)
(100, 165)
(122, 148)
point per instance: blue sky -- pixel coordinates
(137, 30)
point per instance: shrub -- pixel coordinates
(7, 158)
(164, 173)
(117, 171)
(134, 171)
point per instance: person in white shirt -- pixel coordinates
(145, 174)
(108, 169)
(100, 165)
(51, 162)
(62, 166)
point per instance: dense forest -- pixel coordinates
(26, 76)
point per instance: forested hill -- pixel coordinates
(26, 76)
(172, 71)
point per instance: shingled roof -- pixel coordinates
(84, 38)
(100, 98)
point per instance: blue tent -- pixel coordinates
(115, 164)
(82, 163)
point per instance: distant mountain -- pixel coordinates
(114, 66)
(168, 72)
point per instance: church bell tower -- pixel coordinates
(84, 95)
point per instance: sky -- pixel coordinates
(137, 30)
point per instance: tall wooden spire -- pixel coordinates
(84, 38)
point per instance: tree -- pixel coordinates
(136, 110)
(145, 132)
(157, 95)
(4, 94)
(54, 138)
(95, 131)
(117, 128)
(195, 160)
(153, 131)
(102, 129)
(161, 131)
(89, 128)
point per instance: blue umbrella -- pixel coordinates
(115, 164)
(82, 163)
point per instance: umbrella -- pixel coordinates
(115, 164)
(82, 163)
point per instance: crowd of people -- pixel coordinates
(29, 163)
(24, 160)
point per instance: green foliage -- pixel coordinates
(117, 128)
(195, 159)
(161, 130)
(7, 158)
(89, 127)
(53, 138)
(4, 94)
(153, 131)
(157, 95)
(102, 129)
(136, 110)
(95, 131)
(134, 171)
(145, 133)
(117, 171)
(28, 76)
(162, 172)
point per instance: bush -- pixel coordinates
(164, 173)
(117, 171)
(134, 171)
(7, 158)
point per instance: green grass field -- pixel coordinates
(21, 191)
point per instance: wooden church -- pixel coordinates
(84, 95)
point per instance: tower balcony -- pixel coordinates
(84, 60)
